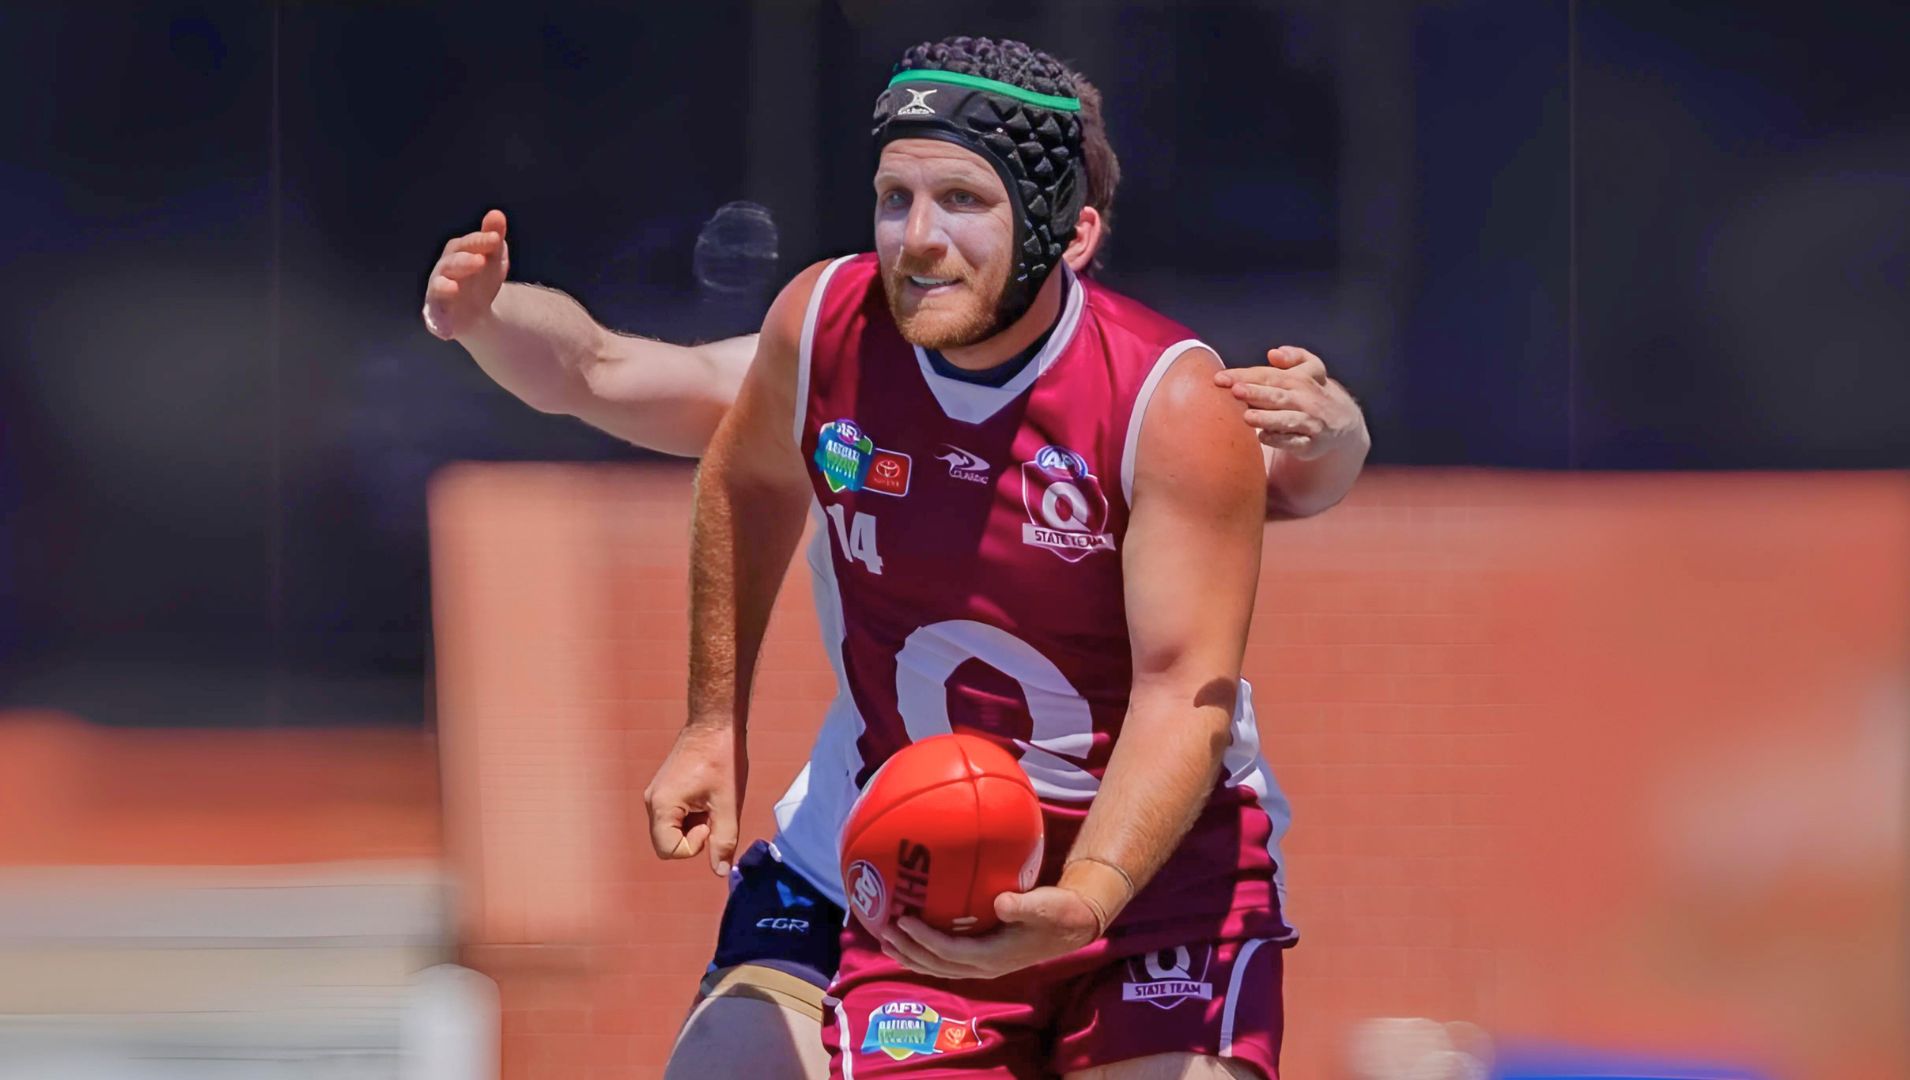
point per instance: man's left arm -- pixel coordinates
(1314, 432)
(1191, 562)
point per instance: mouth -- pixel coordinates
(929, 286)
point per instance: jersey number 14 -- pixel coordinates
(856, 537)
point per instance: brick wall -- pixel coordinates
(1524, 720)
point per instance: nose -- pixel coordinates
(923, 241)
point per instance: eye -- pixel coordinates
(893, 199)
(963, 199)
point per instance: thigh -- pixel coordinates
(776, 950)
(1169, 1067)
(887, 1021)
(1212, 1007)
(775, 918)
(734, 1035)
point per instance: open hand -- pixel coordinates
(466, 279)
(1037, 925)
(1294, 405)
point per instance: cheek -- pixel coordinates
(984, 241)
(889, 231)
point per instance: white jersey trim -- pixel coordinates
(806, 346)
(1233, 994)
(973, 403)
(1128, 448)
(810, 815)
(1245, 767)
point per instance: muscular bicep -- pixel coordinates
(1192, 557)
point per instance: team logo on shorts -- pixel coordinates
(867, 894)
(1067, 511)
(1166, 978)
(850, 461)
(903, 1029)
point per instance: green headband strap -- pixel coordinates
(1046, 101)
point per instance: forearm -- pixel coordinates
(537, 343)
(1297, 488)
(733, 586)
(1158, 779)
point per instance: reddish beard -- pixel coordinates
(943, 330)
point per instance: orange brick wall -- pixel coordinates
(1526, 721)
(76, 794)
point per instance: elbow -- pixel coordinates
(552, 399)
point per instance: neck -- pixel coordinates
(1020, 334)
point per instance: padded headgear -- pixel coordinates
(1032, 139)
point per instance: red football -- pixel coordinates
(943, 826)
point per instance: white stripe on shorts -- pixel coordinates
(845, 1043)
(1233, 994)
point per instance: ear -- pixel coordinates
(1087, 238)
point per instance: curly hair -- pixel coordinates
(1019, 64)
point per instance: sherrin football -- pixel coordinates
(942, 828)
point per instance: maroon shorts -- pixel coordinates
(1093, 1007)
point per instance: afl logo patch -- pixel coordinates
(849, 460)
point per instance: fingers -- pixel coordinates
(671, 840)
(437, 294)
(1284, 422)
(479, 243)
(1257, 395)
(494, 222)
(1272, 376)
(461, 264)
(722, 834)
(676, 832)
(920, 947)
(1293, 358)
(1293, 444)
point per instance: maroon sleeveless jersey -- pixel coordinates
(967, 563)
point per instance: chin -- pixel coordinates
(941, 329)
(942, 332)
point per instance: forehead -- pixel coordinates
(934, 160)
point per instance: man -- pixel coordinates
(778, 946)
(1076, 583)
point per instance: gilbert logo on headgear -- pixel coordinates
(918, 103)
(1067, 510)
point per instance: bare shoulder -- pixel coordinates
(782, 327)
(1194, 440)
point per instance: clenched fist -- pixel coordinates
(466, 279)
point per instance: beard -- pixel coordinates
(944, 326)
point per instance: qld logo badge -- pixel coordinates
(1067, 511)
(1166, 978)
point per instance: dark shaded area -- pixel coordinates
(1615, 235)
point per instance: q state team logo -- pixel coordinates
(1166, 978)
(1067, 511)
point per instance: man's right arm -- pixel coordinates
(752, 493)
(543, 347)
